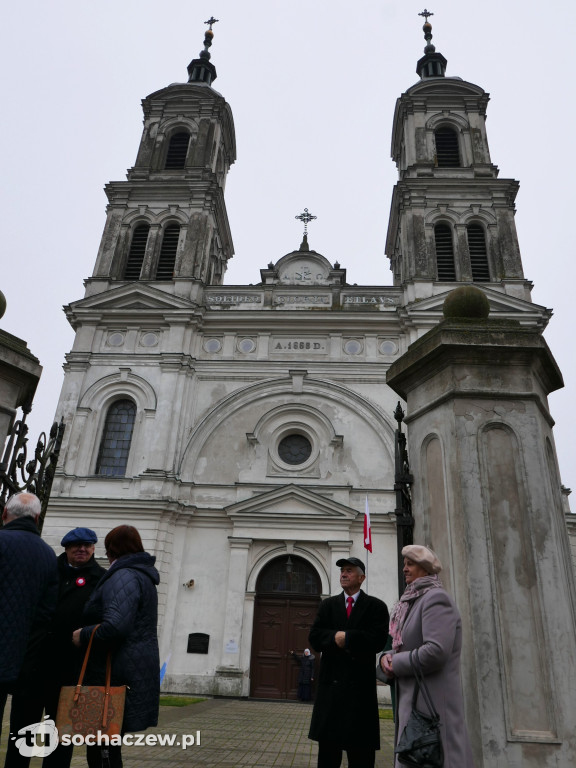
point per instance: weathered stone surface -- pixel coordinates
(466, 301)
(487, 499)
(20, 372)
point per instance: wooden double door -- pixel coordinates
(281, 624)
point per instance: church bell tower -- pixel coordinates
(452, 218)
(167, 222)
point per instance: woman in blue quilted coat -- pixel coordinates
(125, 605)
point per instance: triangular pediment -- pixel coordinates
(132, 296)
(291, 501)
(500, 304)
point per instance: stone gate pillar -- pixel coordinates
(487, 499)
(19, 375)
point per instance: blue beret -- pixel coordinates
(77, 535)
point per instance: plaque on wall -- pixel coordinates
(198, 642)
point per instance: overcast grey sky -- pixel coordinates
(312, 86)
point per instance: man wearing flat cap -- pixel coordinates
(59, 661)
(349, 630)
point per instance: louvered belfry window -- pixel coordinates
(177, 150)
(444, 253)
(136, 252)
(447, 150)
(167, 258)
(116, 439)
(478, 254)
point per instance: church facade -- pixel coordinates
(246, 429)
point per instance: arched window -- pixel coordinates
(167, 258)
(116, 439)
(289, 573)
(136, 252)
(478, 253)
(177, 150)
(447, 150)
(444, 253)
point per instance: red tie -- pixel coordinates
(350, 601)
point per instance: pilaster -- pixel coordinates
(229, 674)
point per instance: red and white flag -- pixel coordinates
(367, 529)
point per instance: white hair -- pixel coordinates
(23, 504)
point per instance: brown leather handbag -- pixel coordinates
(91, 709)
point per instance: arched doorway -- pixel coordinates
(287, 598)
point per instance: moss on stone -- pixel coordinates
(466, 301)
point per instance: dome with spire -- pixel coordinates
(432, 64)
(201, 70)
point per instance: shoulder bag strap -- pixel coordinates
(420, 684)
(85, 663)
(107, 691)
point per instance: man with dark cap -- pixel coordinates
(349, 630)
(59, 661)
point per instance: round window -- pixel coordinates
(388, 348)
(212, 345)
(247, 345)
(295, 449)
(116, 339)
(353, 347)
(149, 340)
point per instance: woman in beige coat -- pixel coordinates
(427, 619)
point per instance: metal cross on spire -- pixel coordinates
(211, 21)
(426, 13)
(306, 218)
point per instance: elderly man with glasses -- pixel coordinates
(57, 661)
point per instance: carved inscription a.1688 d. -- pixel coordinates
(299, 345)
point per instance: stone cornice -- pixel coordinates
(485, 343)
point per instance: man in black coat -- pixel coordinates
(349, 630)
(57, 661)
(28, 586)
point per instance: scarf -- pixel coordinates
(402, 608)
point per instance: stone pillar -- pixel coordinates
(229, 675)
(19, 375)
(487, 498)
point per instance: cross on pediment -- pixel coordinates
(305, 217)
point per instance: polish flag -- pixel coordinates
(367, 529)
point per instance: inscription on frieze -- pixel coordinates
(299, 345)
(296, 299)
(376, 299)
(234, 298)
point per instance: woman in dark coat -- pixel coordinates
(305, 675)
(426, 619)
(125, 605)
